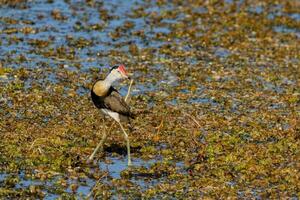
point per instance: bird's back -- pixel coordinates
(111, 100)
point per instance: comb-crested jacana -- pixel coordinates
(110, 102)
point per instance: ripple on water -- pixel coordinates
(203, 101)
(222, 53)
(295, 16)
(287, 30)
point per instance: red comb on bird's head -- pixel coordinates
(122, 69)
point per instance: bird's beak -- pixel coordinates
(125, 76)
(128, 76)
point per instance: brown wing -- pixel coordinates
(116, 103)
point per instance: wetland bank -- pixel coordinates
(216, 91)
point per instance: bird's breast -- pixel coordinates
(100, 88)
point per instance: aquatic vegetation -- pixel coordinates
(216, 92)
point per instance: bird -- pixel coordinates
(106, 98)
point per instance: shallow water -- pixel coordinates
(117, 165)
(215, 89)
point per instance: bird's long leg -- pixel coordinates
(100, 144)
(127, 143)
(128, 92)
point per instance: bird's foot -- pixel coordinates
(89, 160)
